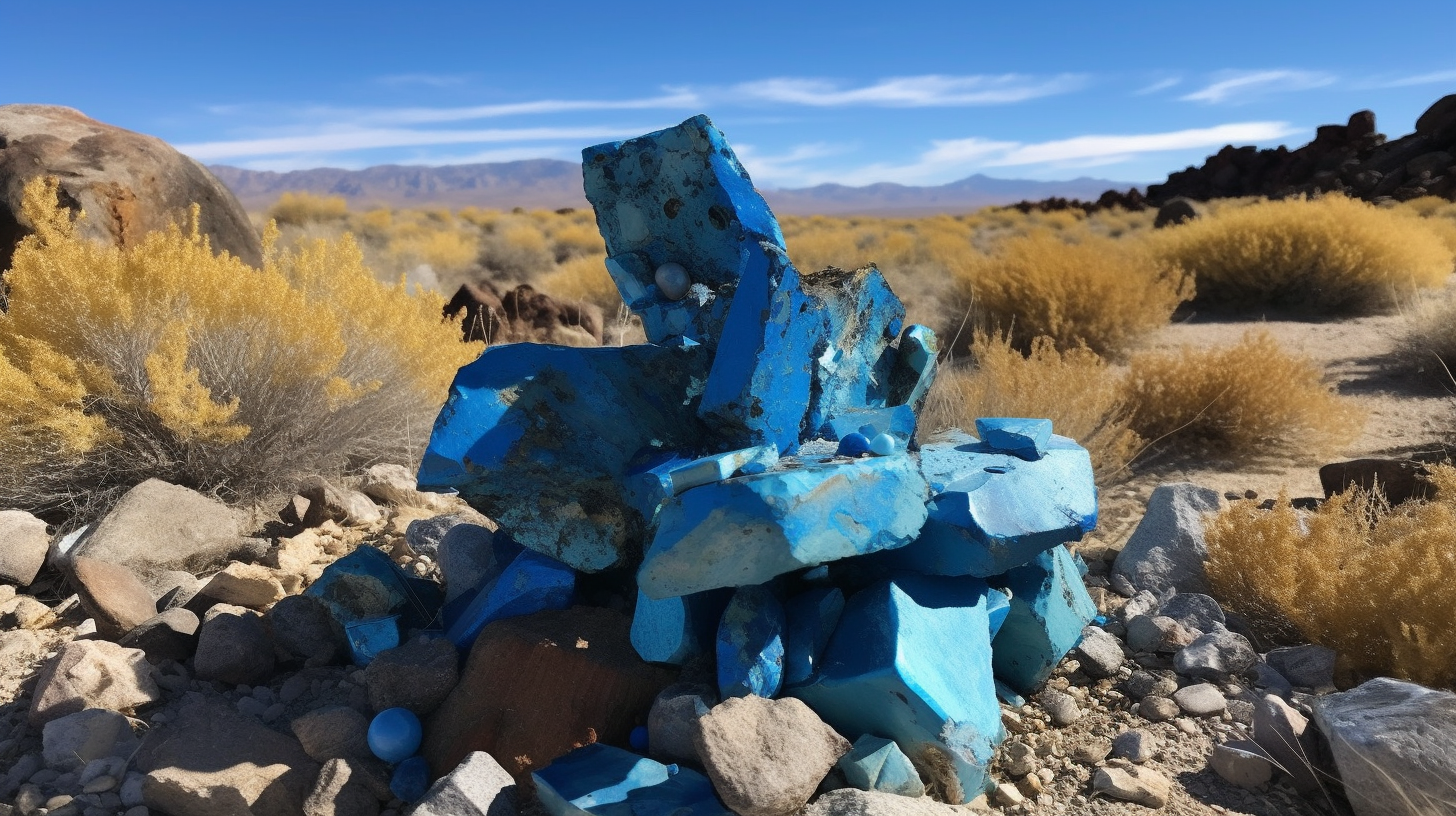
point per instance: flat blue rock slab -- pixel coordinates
(366, 584)
(1026, 438)
(878, 764)
(600, 780)
(748, 529)
(994, 511)
(862, 321)
(751, 644)
(678, 196)
(541, 439)
(811, 618)
(1049, 608)
(910, 661)
(531, 583)
(369, 637)
(916, 364)
(659, 479)
(675, 630)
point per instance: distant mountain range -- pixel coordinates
(552, 184)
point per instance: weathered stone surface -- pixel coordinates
(25, 612)
(169, 635)
(478, 786)
(750, 644)
(71, 741)
(1134, 745)
(1167, 549)
(1311, 666)
(1215, 656)
(395, 484)
(1243, 763)
(23, 538)
(853, 802)
(1155, 633)
(1200, 700)
(366, 585)
(418, 676)
(535, 686)
(1144, 786)
(466, 553)
(158, 527)
(1284, 735)
(1049, 609)
(112, 595)
(810, 618)
(673, 721)
(249, 585)
(338, 793)
(333, 732)
(1100, 653)
(1195, 612)
(92, 674)
(212, 761)
(304, 630)
(330, 502)
(530, 582)
(129, 184)
(427, 536)
(766, 757)
(234, 646)
(1026, 438)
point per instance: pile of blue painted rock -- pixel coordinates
(756, 469)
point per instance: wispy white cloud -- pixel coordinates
(934, 90)
(1081, 148)
(345, 140)
(790, 168)
(429, 80)
(1238, 86)
(677, 99)
(1160, 85)
(1432, 78)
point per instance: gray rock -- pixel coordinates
(464, 550)
(112, 595)
(855, 802)
(1134, 745)
(157, 527)
(171, 635)
(304, 630)
(478, 786)
(1167, 549)
(1395, 745)
(71, 741)
(131, 790)
(743, 742)
(23, 546)
(234, 646)
(174, 588)
(425, 536)
(1062, 707)
(418, 675)
(329, 502)
(1311, 666)
(1283, 733)
(1270, 680)
(1242, 763)
(1158, 709)
(335, 732)
(92, 674)
(1143, 786)
(22, 770)
(1215, 656)
(338, 793)
(1018, 758)
(1143, 603)
(1157, 634)
(1200, 700)
(673, 721)
(1241, 711)
(1195, 611)
(1099, 653)
(1156, 683)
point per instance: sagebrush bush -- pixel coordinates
(1330, 255)
(1097, 292)
(1428, 343)
(1248, 398)
(584, 278)
(297, 209)
(1376, 584)
(163, 360)
(1075, 389)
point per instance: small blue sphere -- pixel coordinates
(882, 445)
(395, 734)
(853, 444)
(411, 779)
(638, 740)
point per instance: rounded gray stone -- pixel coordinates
(1200, 700)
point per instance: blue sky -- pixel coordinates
(808, 92)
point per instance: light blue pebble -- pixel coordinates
(882, 445)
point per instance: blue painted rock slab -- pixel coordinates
(910, 661)
(750, 647)
(593, 778)
(878, 764)
(1026, 438)
(369, 637)
(531, 583)
(862, 320)
(674, 630)
(748, 529)
(915, 367)
(1049, 608)
(811, 618)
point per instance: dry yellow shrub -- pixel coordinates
(164, 360)
(1326, 255)
(443, 249)
(1374, 583)
(1248, 398)
(585, 278)
(573, 238)
(298, 209)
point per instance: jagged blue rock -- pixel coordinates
(750, 648)
(532, 582)
(878, 764)
(675, 630)
(365, 585)
(1049, 608)
(1025, 438)
(600, 780)
(811, 618)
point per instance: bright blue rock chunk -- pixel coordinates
(411, 779)
(366, 584)
(394, 734)
(915, 367)
(677, 196)
(910, 661)
(685, 793)
(531, 583)
(369, 637)
(751, 644)
(593, 778)
(854, 363)
(811, 618)
(883, 445)
(994, 511)
(674, 630)
(1049, 608)
(1026, 438)
(853, 444)
(878, 764)
(896, 420)
(748, 529)
(542, 438)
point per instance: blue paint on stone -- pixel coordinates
(685, 793)
(878, 764)
(595, 779)
(531, 583)
(411, 779)
(663, 476)
(998, 608)
(896, 420)
(1008, 696)
(915, 367)
(1049, 608)
(638, 739)
(366, 584)
(995, 511)
(854, 360)
(369, 637)
(748, 529)
(1026, 438)
(394, 734)
(910, 661)
(675, 630)
(811, 617)
(751, 644)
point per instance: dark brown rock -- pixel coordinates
(128, 184)
(523, 315)
(1399, 479)
(537, 686)
(112, 595)
(171, 635)
(1176, 211)
(1438, 123)
(418, 676)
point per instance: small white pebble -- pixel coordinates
(673, 281)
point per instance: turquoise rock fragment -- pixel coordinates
(751, 644)
(366, 584)
(531, 583)
(541, 439)
(878, 764)
(601, 780)
(994, 511)
(803, 513)
(1049, 608)
(675, 630)
(910, 661)
(370, 636)
(811, 617)
(854, 363)
(1026, 438)
(915, 367)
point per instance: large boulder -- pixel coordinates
(157, 527)
(92, 674)
(23, 544)
(127, 183)
(766, 757)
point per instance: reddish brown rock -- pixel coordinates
(537, 686)
(112, 595)
(523, 315)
